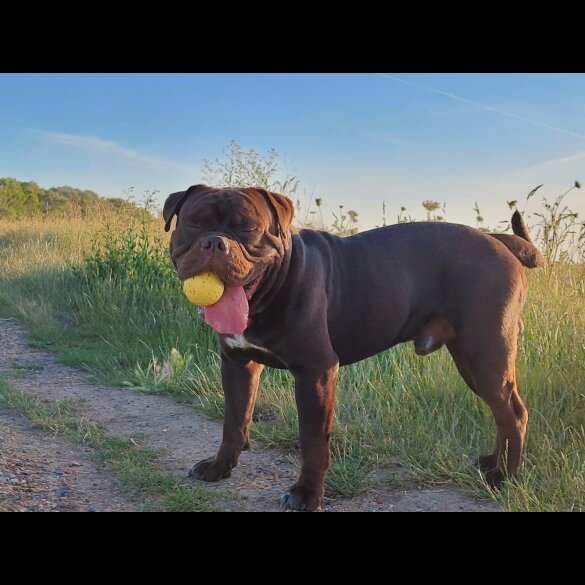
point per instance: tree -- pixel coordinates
(241, 168)
(20, 199)
(246, 168)
(12, 199)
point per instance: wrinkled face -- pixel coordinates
(235, 233)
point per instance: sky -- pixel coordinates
(357, 140)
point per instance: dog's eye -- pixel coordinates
(194, 222)
(244, 228)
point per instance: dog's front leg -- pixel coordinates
(315, 394)
(240, 386)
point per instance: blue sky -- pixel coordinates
(353, 139)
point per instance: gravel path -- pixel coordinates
(183, 437)
(41, 473)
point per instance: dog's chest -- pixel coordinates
(241, 345)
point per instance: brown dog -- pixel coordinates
(311, 301)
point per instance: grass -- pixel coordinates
(103, 295)
(133, 465)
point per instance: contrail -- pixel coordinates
(484, 106)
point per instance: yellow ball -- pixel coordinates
(204, 289)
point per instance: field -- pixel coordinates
(102, 294)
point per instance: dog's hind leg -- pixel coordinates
(487, 364)
(483, 462)
(511, 417)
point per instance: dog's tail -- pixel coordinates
(520, 243)
(519, 227)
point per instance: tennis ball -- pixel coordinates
(204, 289)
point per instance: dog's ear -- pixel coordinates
(172, 206)
(174, 203)
(282, 207)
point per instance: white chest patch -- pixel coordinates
(240, 342)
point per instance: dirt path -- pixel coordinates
(40, 473)
(183, 436)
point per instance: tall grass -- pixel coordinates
(103, 294)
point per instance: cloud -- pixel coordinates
(563, 161)
(480, 105)
(101, 146)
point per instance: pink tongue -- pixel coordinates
(230, 313)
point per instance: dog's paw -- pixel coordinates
(210, 470)
(485, 462)
(301, 499)
(494, 478)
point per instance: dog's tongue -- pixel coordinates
(230, 313)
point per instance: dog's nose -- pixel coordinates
(215, 244)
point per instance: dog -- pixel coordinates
(309, 302)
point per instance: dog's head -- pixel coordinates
(236, 233)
